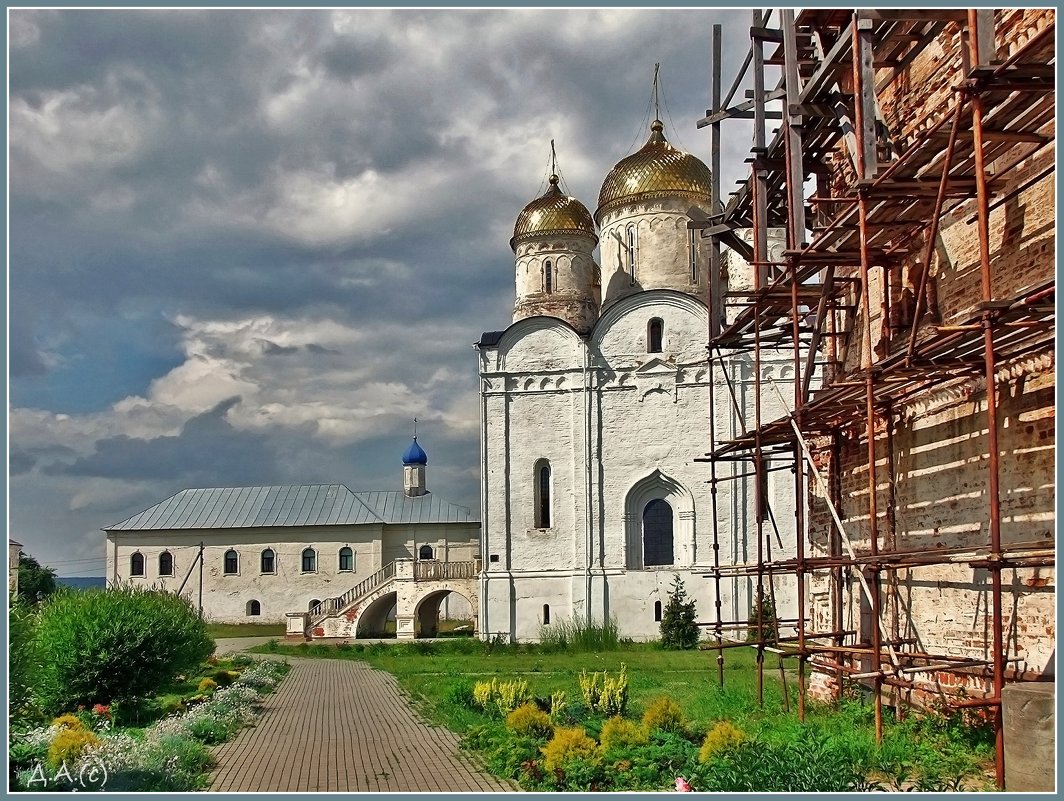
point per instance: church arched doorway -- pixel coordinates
(657, 533)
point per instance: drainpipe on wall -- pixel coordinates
(588, 534)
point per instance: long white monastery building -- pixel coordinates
(268, 551)
(595, 407)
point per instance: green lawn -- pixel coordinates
(219, 630)
(436, 675)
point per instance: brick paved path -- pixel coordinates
(339, 725)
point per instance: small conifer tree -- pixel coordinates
(678, 628)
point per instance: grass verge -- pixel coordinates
(932, 752)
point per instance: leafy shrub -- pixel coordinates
(664, 714)
(620, 733)
(767, 629)
(590, 689)
(503, 697)
(530, 721)
(512, 694)
(223, 678)
(614, 698)
(605, 694)
(722, 737)
(558, 704)
(808, 764)
(69, 744)
(461, 694)
(678, 628)
(113, 644)
(484, 692)
(173, 706)
(569, 744)
(22, 659)
(207, 685)
(69, 721)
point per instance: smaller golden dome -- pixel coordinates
(656, 169)
(553, 213)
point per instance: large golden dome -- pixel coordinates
(656, 169)
(553, 213)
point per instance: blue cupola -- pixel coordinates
(415, 454)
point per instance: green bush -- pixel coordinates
(664, 714)
(568, 745)
(618, 733)
(808, 764)
(207, 685)
(22, 664)
(678, 628)
(223, 678)
(69, 744)
(603, 693)
(102, 645)
(530, 721)
(767, 630)
(722, 737)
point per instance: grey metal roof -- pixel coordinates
(306, 505)
(396, 507)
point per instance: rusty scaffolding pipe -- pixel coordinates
(863, 168)
(993, 467)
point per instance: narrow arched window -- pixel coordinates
(546, 614)
(657, 533)
(347, 559)
(548, 278)
(542, 494)
(268, 561)
(654, 335)
(692, 254)
(424, 552)
(230, 563)
(166, 564)
(631, 248)
(313, 603)
(657, 611)
(253, 609)
(310, 561)
(136, 564)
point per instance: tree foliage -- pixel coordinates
(102, 645)
(35, 582)
(678, 628)
(767, 629)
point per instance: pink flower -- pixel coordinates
(682, 786)
(101, 709)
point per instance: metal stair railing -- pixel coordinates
(331, 606)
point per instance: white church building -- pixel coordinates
(257, 554)
(595, 408)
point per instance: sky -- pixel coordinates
(249, 247)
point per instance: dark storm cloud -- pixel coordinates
(363, 167)
(207, 447)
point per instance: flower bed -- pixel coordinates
(86, 751)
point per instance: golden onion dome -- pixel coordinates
(655, 170)
(553, 213)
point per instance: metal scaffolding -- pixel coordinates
(877, 192)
